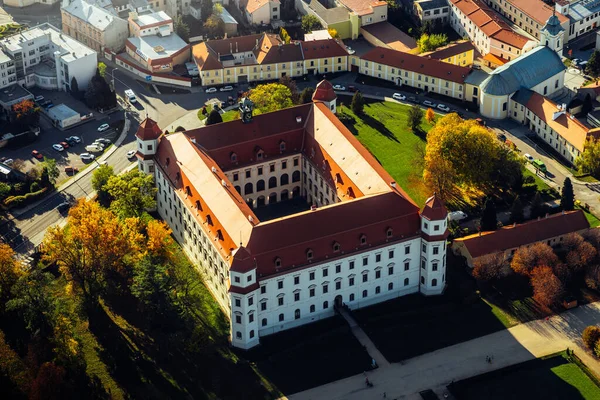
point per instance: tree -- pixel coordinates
(49, 383)
(215, 25)
(333, 33)
(100, 178)
(516, 211)
(182, 29)
(133, 193)
(526, 259)
(589, 161)
(13, 368)
(74, 89)
(284, 35)
(271, 97)
(490, 267)
(567, 198)
(4, 190)
(310, 23)
(590, 336)
(290, 84)
(489, 221)
(102, 69)
(587, 104)
(430, 42)
(547, 288)
(98, 94)
(51, 169)
(151, 285)
(593, 65)
(415, 118)
(430, 116)
(10, 272)
(26, 113)
(306, 95)
(358, 103)
(537, 208)
(439, 177)
(206, 9)
(214, 118)
(578, 252)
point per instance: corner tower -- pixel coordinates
(324, 93)
(147, 138)
(434, 232)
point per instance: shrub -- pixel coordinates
(34, 187)
(597, 349)
(590, 337)
(20, 201)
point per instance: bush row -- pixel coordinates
(20, 201)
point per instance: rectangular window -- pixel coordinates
(280, 301)
(325, 289)
(378, 274)
(311, 292)
(263, 306)
(436, 250)
(296, 280)
(365, 261)
(434, 266)
(283, 164)
(406, 265)
(390, 270)
(407, 250)
(338, 285)
(260, 170)
(238, 303)
(296, 296)
(338, 269)
(311, 276)
(377, 257)
(391, 254)
(351, 264)
(351, 281)
(365, 277)
(280, 285)
(325, 272)
(250, 301)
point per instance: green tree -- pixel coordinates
(593, 65)
(152, 285)
(358, 103)
(206, 9)
(74, 88)
(51, 169)
(4, 190)
(489, 222)
(310, 23)
(430, 42)
(102, 69)
(567, 198)
(306, 95)
(182, 29)
(537, 208)
(271, 97)
(284, 35)
(589, 161)
(290, 84)
(215, 25)
(100, 178)
(133, 193)
(10, 272)
(98, 94)
(516, 211)
(214, 118)
(587, 104)
(415, 118)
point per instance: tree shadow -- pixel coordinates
(379, 127)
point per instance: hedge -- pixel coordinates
(20, 201)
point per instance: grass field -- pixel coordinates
(227, 116)
(384, 132)
(551, 378)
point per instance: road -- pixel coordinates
(36, 14)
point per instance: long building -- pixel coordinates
(288, 217)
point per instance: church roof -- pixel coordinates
(553, 25)
(324, 92)
(526, 71)
(148, 130)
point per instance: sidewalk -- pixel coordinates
(362, 337)
(188, 121)
(437, 369)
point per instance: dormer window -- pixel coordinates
(178, 176)
(168, 161)
(278, 262)
(282, 146)
(198, 206)
(350, 192)
(219, 235)
(389, 232)
(309, 254)
(363, 239)
(233, 157)
(188, 191)
(336, 247)
(209, 220)
(259, 153)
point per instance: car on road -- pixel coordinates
(63, 207)
(103, 127)
(87, 156)
(130, 154)
(8, 161)
(226, 88)
(37, 154)
(73, 140)
(528, 157)
(103, 140)
(457, 215)
(69, 169)
(339, 87)
(398, 96)
(443, 107)
(37, 99)
(429, 103)
(211, 90)
(413, 99)
(64, 144)
(57, 147)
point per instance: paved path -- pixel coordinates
(437, 369)
(362, 337)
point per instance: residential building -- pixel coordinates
(94, 26)
(432, 10)
(123, 7)
(458, 53)
(488, 31)
(584, 16)
(507, 240)
(152, 23)
(423, 73)
(262, 12)
(27, 3)
(45, 57)
(361, 240)
(8, 71)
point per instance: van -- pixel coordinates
(130, 96)
(539, 165)
(93, 148)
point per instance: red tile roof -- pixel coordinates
(148, 130)
(421, 65)
(254, 5)
(324, 92)
(434, 209)
(363, 7)
(323, 48)
(511, 237)
(537, 10)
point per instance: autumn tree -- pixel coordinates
(26, 113)
(333, 33)
(100, 178)
(306, 95)
(4, 190)
(310, 23)
(590, 336)
(547, 288)
(489, 220)
(490, 267)
(567, 198)
(270, 97)
(578, 254)
(430, 116)
(10, 272)
(13, 369)
(526, 259)
(290, 84)
(215, 25)
(439, 178)
(358, 103)
(133, 193)
(284, 35)
(102, 69)
(415, 117)
(589, 161)
(516, 211)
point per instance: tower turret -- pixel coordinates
(147, 137)
(552, 34)
(324, 93)
(434, 232)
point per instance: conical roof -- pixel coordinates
(553, 25)
(148, 130)
(434, 209)
(324, 92)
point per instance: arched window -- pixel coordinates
(198, 206)
(325, 305)
(209, 220)
(297, 314)
(312, 308)
(434, 282)
(309, 254)
(272, 182)
(284, 179)
(188, 191)
(390, 286)
(405, 281)
(296, 176)
(260, 185)
(233, 157)
(365, 293)
(248, 188)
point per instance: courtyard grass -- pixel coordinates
(592, 219)
(383, 130)
(227, 115)
(552, 377)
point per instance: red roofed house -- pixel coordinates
(325, 94)
(507, 240)
(288, 216)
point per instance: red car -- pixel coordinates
(64, 144)
(37, 154)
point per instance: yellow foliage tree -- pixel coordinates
(160, 243)
(10, 272)
(333, 33)
(430, 116)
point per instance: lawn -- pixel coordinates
(592, 219)
(227, 116)
(310, 355)
(554, 377)
(384, 132)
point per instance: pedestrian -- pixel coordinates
(384, 395)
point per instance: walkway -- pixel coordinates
(437, 369)
(362, 337)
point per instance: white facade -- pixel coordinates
(264, 14)
(8, 72)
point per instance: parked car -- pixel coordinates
(211, 90)
(73, 140)
(130, 154)
(45, 103)
(64, 145)
(93, 148)
(57, 147)
(49, 106)
(103, 127)
(8, 161)
(339, 87)
(226, 88)
(103, 140)
(429, 103)
(398, 96)
(443, 107)
(352, 89)
(87, 156)
(528, 157)
(38, 98)
(99, 144)
(413, 99)
(539, 165)
(457, 215)
(69, 169)
(350, 51)
(37, 154)
(63, 207)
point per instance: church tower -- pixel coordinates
(552, 35)
(147, 138)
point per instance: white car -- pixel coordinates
(349, 49)
(211, 90)
(99, 144)
(456, 215)
(87, 156)
(339, 87)
(103, 140)
(528, 157)
(103, 127)
(429, 104)
(57, 147)
(38, 98)
(398, 96)
(74, 139)
(226, 89)
(130, 153)
(443, 107)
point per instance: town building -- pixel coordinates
(432, 10)
(8, 71)
(490, 34)
(262, 12)
(354, 238)
(458, 53)
(27, 3)
(94, 26)
(384, 34)
(507, 240)
(123, 7)
(45, 57)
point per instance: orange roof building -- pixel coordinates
(288, 216)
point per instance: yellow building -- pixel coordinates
(461, 53)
